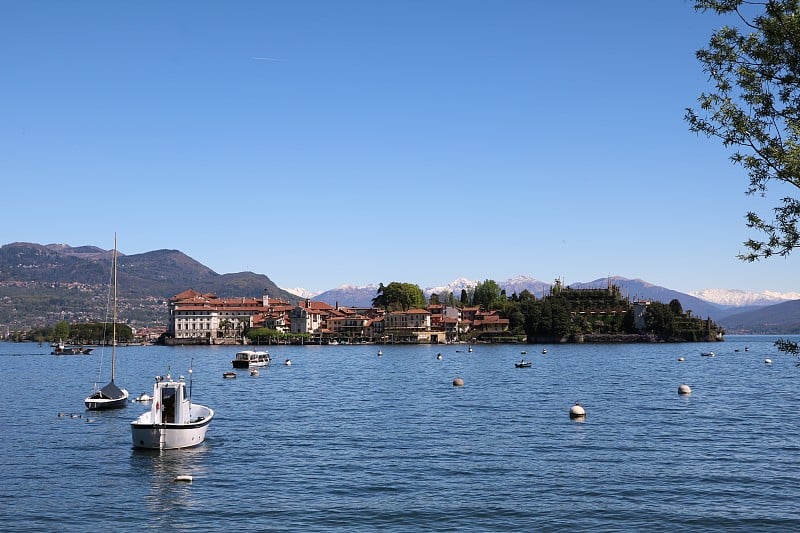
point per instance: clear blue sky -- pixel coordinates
(351, 142)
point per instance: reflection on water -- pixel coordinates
(162, 467)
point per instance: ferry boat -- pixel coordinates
(248, 358)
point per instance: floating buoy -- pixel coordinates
(253, 371)
(183, 478)
(577, 411)
(681, 359)
(768, 361)
(470, 349)
(439, 356)
(458, 382)
(544, 351)
(380, 353)
(288, 362)
(143, 397)
(684, 389)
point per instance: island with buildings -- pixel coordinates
(563, 315)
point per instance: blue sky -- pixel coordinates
(328, 143)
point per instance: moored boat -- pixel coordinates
(173, 421)
(110, 396)
(523, 364)
(60, 348)
(248, 358)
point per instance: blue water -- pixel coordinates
(345, 440)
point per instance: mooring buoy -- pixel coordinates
(684, 389)
(577, 411)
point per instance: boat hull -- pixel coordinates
(248, 364)
(98, 404)
(146, 434)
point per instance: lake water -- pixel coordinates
(346, 440)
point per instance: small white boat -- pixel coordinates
(229, 375)
(248, 358)
(143, 397)
(708, 354)
(173, 421)
(544, 351)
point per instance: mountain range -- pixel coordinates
(41, 284)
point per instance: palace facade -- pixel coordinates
(196, 318)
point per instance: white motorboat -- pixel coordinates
(173, 421)
(248, 358)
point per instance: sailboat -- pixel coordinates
(110, 396)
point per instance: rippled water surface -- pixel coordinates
(346, 440)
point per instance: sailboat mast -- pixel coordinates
(114, 314)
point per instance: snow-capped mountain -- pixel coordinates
(301, 292)
(349, 295)
(455, 286)
(715, 303)
(520, 283)
(739, 298)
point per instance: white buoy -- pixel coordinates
(288, 362)
(768, 361)
(184, 478)
(380, 353)
(458, 382)
(577, 411)
(143, 397)
(684, 389)
(439, 356)
(253, 371)
(681, 359)
(544, 351)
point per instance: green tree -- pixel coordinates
(658, 319)
(399, 296)
(754, 107)
(488, 295)
(526, 295)
(61, 330)
(464, 297)
(676, 307)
